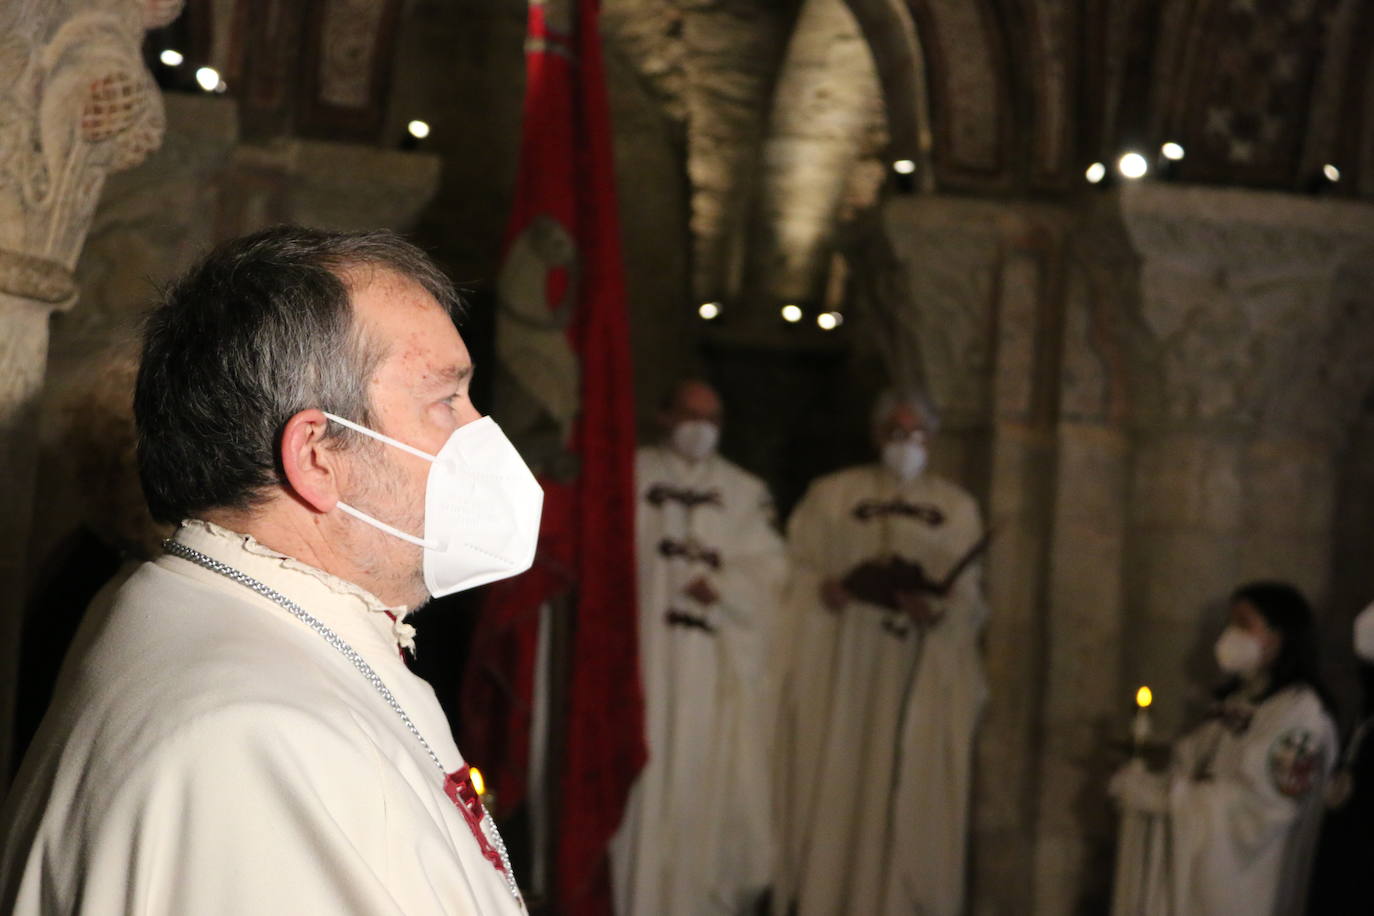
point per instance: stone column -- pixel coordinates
(1080, 709)
(75, 105)
(1208, 379)
(1247, 378)
(983, 315)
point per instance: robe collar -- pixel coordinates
(353, 612)
(685, 469)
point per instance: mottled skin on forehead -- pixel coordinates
(419, 391)
(692, 400)
(901, 423)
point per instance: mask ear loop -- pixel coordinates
(377, 523)
(381, 438)
(363, 516)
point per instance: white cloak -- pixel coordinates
(208, 753)
(877, 719)
(698, 833)
(1231, 829)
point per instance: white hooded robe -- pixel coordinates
(1231, 828)
(878, 718)
(698, 833)
(208, 753)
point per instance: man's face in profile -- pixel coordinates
(419, 396)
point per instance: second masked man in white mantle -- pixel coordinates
(698, 834)
(884, 684)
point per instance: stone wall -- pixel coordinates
(1156, 392)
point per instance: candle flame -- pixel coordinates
(478, 783)
(1144, 697)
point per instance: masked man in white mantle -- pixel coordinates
(237, 730)
(884, 684)
(698, 834)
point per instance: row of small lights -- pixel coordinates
(791, 313)
(1133, 165)
(208, 78)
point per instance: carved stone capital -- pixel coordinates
(1238, 323)
(34, 278)
(76, 104)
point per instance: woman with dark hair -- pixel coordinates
(1233, 823)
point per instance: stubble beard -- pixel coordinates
(387, 559)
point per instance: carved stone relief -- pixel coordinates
(951, 251)
(348, 47)
(967, 91)
(75, 105)
(1053, 53)
(78, 105)
(1236, 305)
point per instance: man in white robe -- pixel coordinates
(698, 834)
(236, 730)
(884, 682)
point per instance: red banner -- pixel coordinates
(563, 278)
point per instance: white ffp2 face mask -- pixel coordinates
(695, 439)
(1364, 634)
(482, 508)
(1238, 652)
(905, 458)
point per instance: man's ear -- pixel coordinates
(310, 464)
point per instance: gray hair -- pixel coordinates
(915, 398)
(261, 329)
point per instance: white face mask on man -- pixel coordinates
(482, 508)
(694, 439)
(906, 458)
(1238, 651)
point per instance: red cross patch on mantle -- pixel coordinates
(458, 787)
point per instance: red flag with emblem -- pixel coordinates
(565, 340)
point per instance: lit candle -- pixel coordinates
(484, 793)
(1140, 728)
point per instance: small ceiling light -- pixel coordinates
(479, 785)
(208, 78)
(1095, 173)
(171, 58)
(1172, 151)
(904, 166)
(829, 321)
(418, 129)
(1332, 173)
(791, 314)
(709, 310)
(1132, 165)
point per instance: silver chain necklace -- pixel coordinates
(488, 824)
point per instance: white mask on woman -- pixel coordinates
(1238, 651)
(1364, 634)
